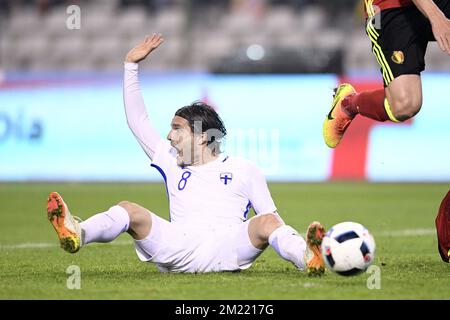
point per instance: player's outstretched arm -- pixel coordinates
(135, 110)
(439, 22)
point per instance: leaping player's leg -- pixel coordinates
(399, 101)
(404, 94)
(102, 227)
(400, 52)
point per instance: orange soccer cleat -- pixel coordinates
(66, 226)
(337, 121)
(315, 265)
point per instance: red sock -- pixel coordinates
(369, 104)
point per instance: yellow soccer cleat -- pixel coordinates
(337, 120)
(66, 226)
(315, 265)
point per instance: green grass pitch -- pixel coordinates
(400, 216)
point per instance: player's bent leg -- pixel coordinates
(106, 226)
(404, 95)
(270, 229)
(140, 220)
(261, 227)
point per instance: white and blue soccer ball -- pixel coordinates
(348, 248)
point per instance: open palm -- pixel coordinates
(142, 50)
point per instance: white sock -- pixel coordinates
(289, 245)
(106, 226)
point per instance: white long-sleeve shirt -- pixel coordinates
(214, 195)
(136, 113)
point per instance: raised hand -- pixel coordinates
(142, 50)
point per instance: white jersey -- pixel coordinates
(217, 194)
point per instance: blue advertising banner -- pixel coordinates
(77, 131)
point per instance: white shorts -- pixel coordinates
(177, 248)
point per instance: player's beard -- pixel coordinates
(189, 153)
(187, 157)
(181, 159)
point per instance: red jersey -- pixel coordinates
(386, 4)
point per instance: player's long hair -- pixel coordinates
(202, 118)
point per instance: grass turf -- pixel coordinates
(400, 216)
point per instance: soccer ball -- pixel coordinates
(348, 248)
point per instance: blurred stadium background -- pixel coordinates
(298, 36)
(268, 67)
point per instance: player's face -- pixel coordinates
(182, 139)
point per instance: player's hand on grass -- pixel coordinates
(142, 50)
(441, 31)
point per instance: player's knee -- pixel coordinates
(140, 220)
(136, 213)
(406, 106)
(127, 205)
(268, 223)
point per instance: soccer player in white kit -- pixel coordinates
(210, 196)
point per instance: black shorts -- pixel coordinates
(399, 39)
